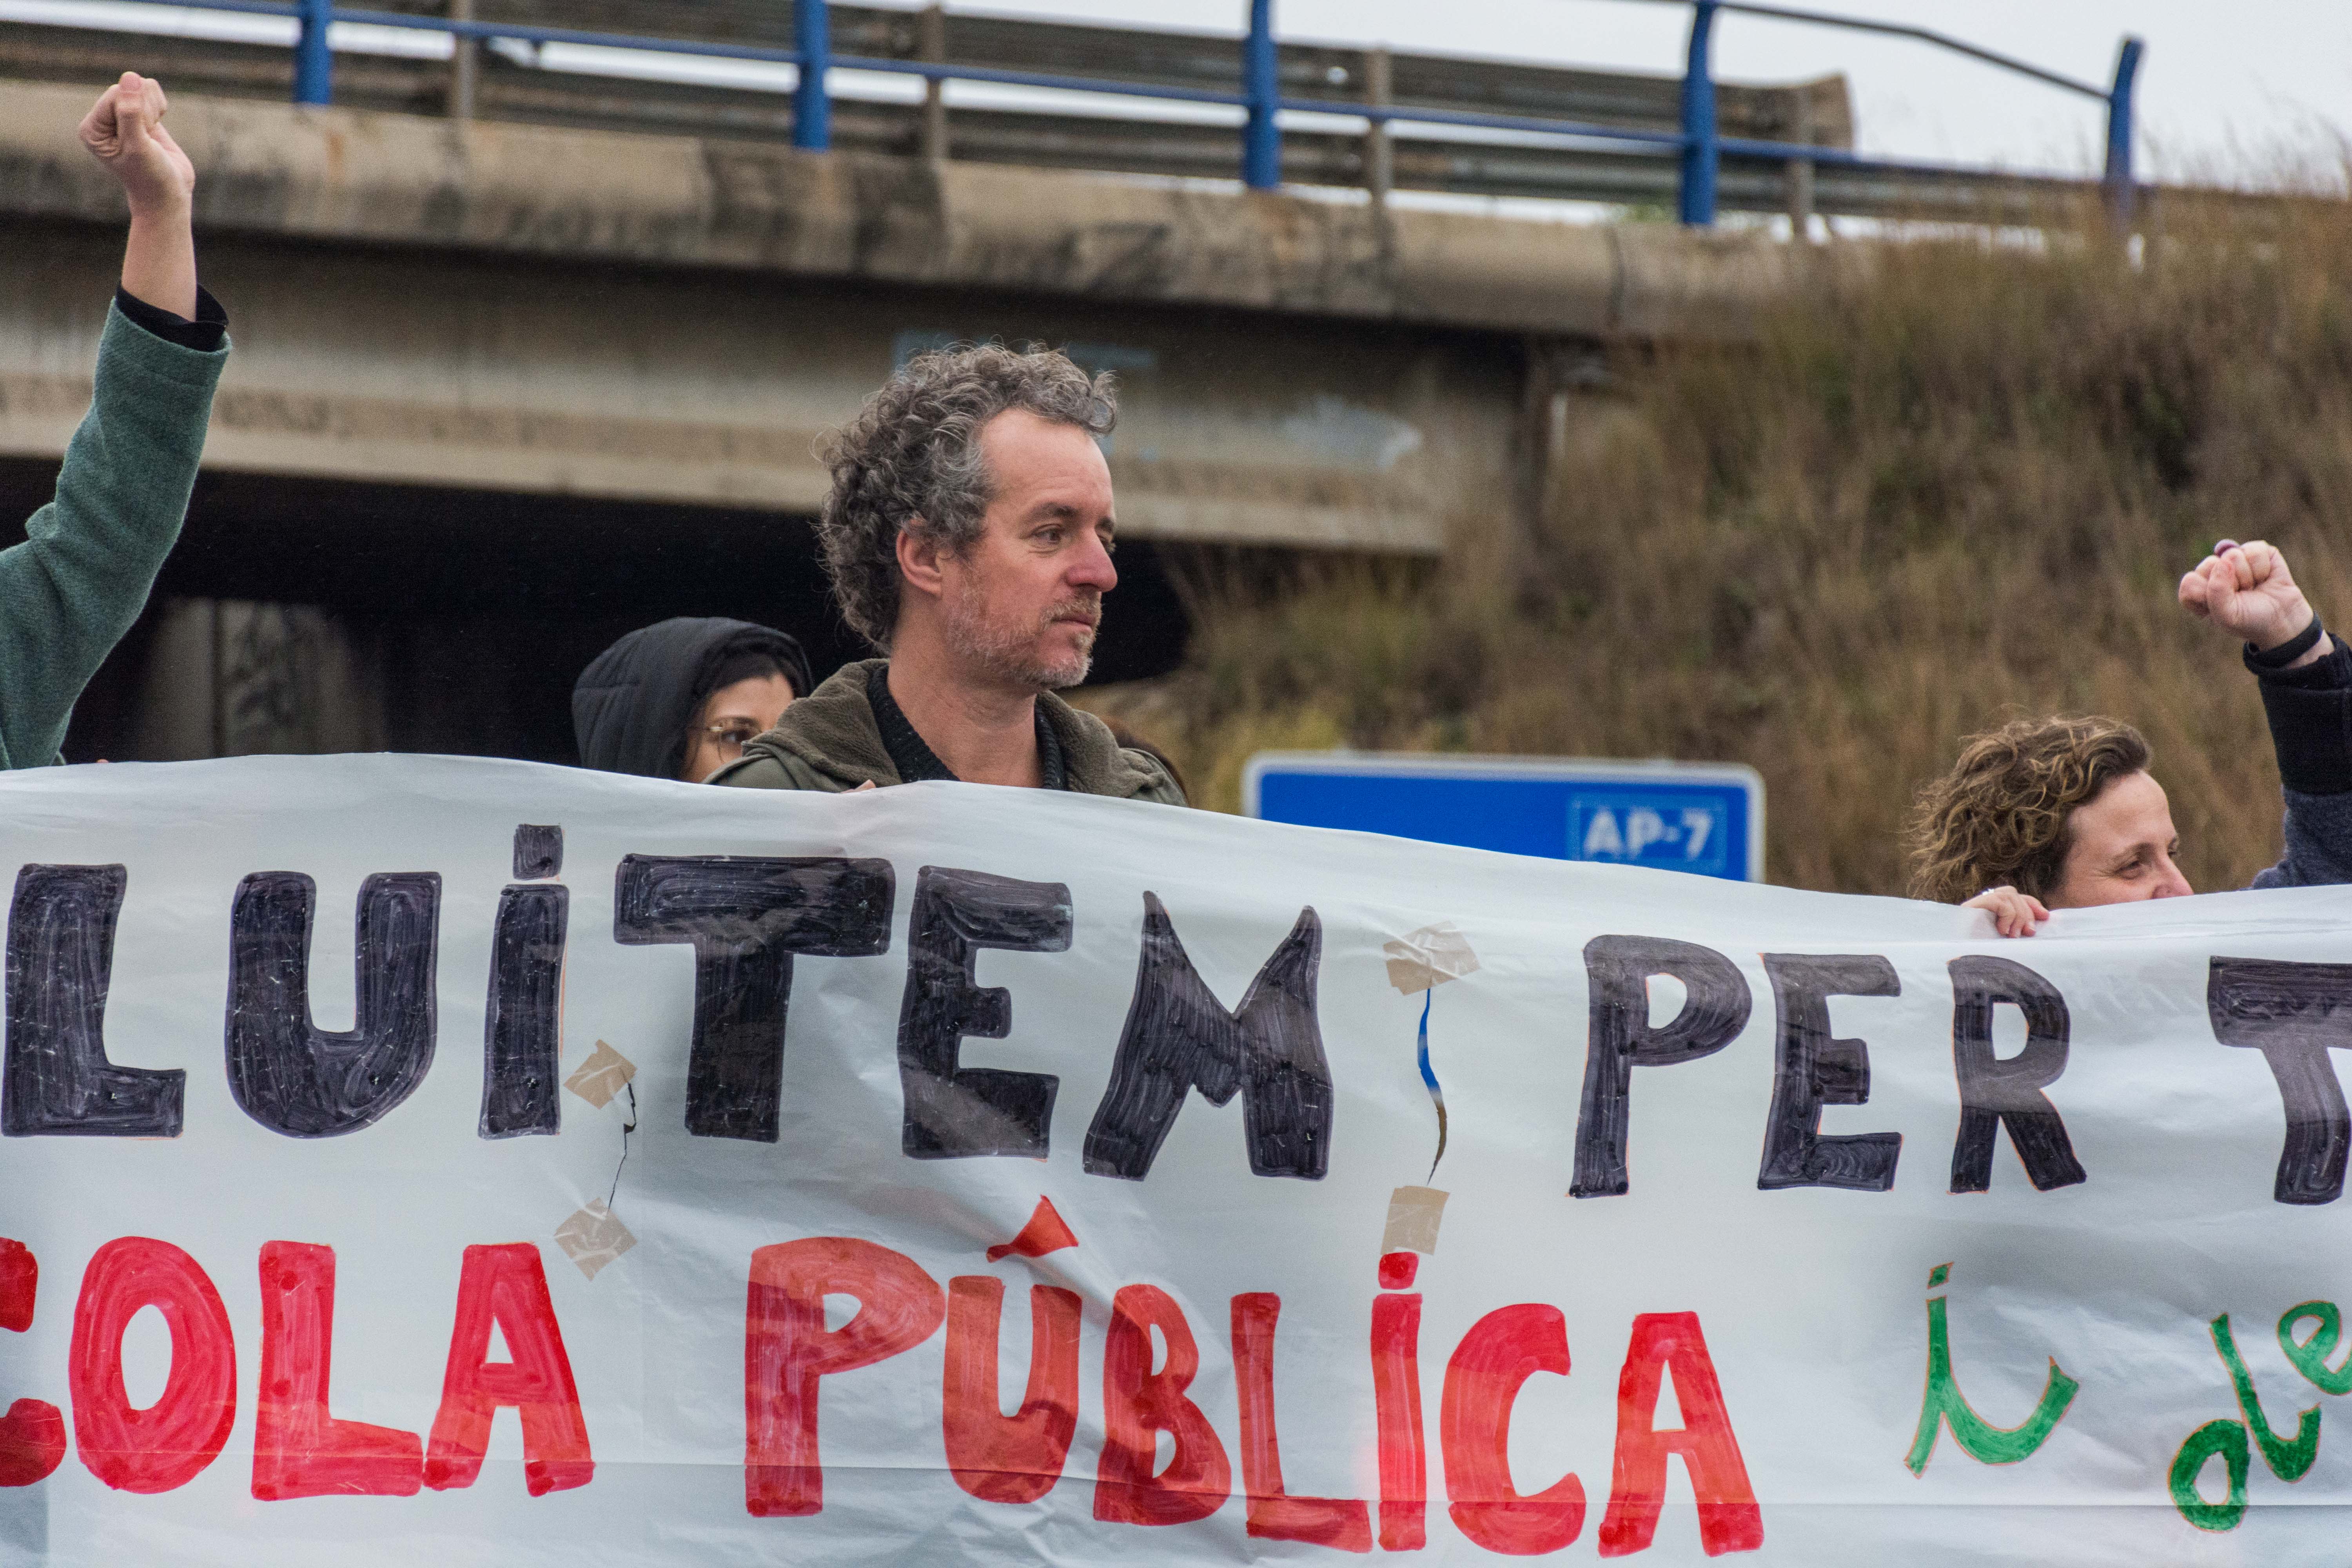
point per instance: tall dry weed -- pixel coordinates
(1950, 488)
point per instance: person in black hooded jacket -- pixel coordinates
(680, 700)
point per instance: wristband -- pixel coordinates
(2288, 652)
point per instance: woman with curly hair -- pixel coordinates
(2050, 813)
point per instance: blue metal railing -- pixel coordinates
(812, 104)
(1703, 150)
(2122, 193)
(1698, 143)
(1262, 86)
(314, 62)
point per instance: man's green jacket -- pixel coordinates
(69, 592)
(831, 740)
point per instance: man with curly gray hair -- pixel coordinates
(968, 537)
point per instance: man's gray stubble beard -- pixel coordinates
(1008, 657)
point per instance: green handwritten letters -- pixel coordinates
(1946, 1406)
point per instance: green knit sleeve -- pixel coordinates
(69, 592)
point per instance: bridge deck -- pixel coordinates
(673, 319)
(1135, 136)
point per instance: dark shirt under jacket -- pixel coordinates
(204, 334)
(913, 756)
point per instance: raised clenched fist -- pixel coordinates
(2247, 591)
(124, 131)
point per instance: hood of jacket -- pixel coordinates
(631, 706)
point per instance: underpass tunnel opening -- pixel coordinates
(302, 614)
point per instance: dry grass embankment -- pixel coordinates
(1955, 492)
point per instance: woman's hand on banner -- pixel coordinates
(2013, 913)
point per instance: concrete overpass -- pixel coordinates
(555, 381)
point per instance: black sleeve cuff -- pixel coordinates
(2260, 660)
(204, 335)
(2310, 712)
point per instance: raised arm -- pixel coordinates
(124, 131)
(2248, 591)
(74, 588)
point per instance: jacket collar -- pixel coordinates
(834, 732)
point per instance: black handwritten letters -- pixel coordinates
(1179, 1037)
(288, 1074)
(521, 1031)
(2295, 1014)
(746, 918)
(60, 961)
(1620, 1038)
(1997, 1091)
(954, 1111)
(1810, 1070)
(538, 852)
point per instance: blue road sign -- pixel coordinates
(1702, 817)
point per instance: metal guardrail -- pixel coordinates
(1611, 139)
(1702, 147)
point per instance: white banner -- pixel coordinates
(1021, 1178)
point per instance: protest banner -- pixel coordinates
(415, 1159)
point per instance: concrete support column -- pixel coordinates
(233, 677)
(1800, 170)
(465, 63)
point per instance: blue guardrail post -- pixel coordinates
(1701, 150)
(1262, 138)
(812, 109)
(314, 62)
(2123, 194)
